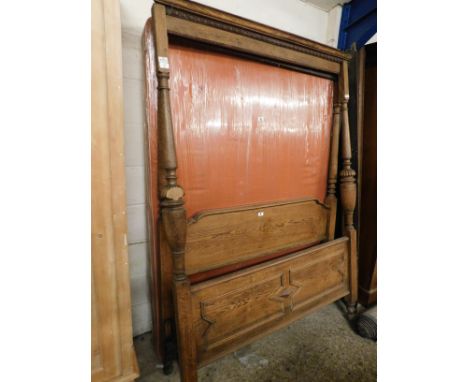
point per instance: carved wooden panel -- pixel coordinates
(311, 278)
(221, 237)
(211, 34)
(230, 310)
(216, 313)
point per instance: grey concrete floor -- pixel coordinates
(321, 347)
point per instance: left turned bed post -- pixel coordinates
(348, 190)
(171, 203)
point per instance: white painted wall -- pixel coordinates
(134, 117)
(292, 15)
(372, 39)
(333, 26)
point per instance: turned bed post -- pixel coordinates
(173, 216)
(348, 190)
(333, 167)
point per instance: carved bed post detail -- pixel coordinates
(173, 215)
(348, 190)
(333, 169)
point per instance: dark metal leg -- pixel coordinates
(170, 355)
(351, 310)
(168, 368)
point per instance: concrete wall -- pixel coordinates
(134, 116)
(293, 16)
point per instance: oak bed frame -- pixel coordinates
(218, 283)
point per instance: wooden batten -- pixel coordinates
(112, 352)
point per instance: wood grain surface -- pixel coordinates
(231, 310)
(221, 237)
(112, 352)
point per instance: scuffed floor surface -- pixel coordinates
(321, 347)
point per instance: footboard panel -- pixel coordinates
(227, 236)
(232, 310)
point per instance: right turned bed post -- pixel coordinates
(348, 190)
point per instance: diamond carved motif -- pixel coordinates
(205, 318)
(285, 293)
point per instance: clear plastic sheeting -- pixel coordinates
(246, 132)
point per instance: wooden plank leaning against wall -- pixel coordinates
(112, 353)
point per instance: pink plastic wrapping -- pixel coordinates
(245, 132)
